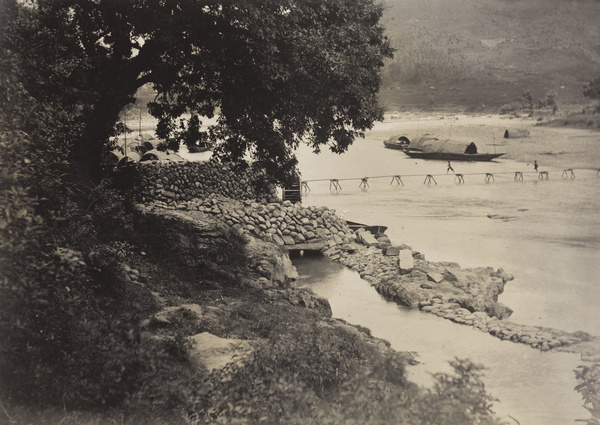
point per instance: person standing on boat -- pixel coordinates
(449, 168)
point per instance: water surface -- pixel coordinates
(544, 232)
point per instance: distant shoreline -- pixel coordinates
(550, 146)
(551, 142)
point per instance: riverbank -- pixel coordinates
(551, 147)
(467, 296)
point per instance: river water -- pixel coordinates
(544, 232)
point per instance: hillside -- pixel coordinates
(472, 53)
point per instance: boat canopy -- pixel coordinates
(155, 155)
(130, 158)
(447, 146)
(418, 142)
(398, 138)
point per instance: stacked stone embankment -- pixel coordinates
(168, 183)
(283, 223)
(465, 296)
(270, 228)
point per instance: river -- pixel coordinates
(544, 232)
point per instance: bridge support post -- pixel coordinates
(397, 180)
(364, 184)
(568, 173)
(429, 179)
(334, 185)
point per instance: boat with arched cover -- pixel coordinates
(428, 147)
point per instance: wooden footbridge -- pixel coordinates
(335, 185)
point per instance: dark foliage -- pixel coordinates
(67, 315)
(274, 73)
(592, 89)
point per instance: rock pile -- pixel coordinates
(537, 337)
(169, 183)
(416, 282)
(465, 296)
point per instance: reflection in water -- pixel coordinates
(534, 387)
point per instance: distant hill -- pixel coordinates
(471, 53)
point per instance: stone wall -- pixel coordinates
(168, 183)
(284, 223)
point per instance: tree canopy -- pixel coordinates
(274, 73)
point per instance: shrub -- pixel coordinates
(457, 399)
(66, 338)
(313, 374)
(588, 386)
(65, 342)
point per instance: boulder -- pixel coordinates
(272, 262)
(211, 352)
(436, 277)
(305, 298)
(166, 316)
(506, 277)
(384, 239)
(367, 238)
(288, 240)
(392, 251)
(405, 259)
(449, 276)
(277, 239)
(498, 310)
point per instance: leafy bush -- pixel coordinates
(308, 375)
(588, 386)
(457, 399)
(70, 339)
(65, 337)
(324, 375)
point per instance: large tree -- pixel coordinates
(275, 73)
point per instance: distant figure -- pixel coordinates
(449, 168)
(506, 134)
(535, 165)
